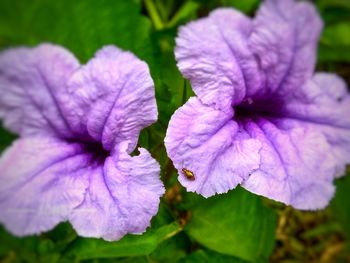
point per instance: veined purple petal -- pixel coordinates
(210, 144)
(296, 166)
(42, 180)
(213, 54)
(112, 98)
(284, 40)
(122, 197)
(324, 103)
(229, 58)
(48, 181)
(32, 85)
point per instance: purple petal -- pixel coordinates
(296, 166)
(212, 146)
(229, 58)
(32, 87)
(47, 181)
(42, 180)
(324, 103)
(122, 196)
(284, 40)
(213, 53)
(112, 98)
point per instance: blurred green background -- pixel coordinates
(235, 227)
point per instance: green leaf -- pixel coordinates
(175, 89)
(246, 6)
(6, 139)
(334, 11)
(172, 249)
(333, 54)
(337, 35)
(236, 223)
(206, 256)
(163, 216)
(341, 203)
(335, 15)
(27, 249)
(129, 246)
(324, 4)
(335, 43)
(83, 26)
(178, 87)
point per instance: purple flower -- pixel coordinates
(77, 126)
(261, 118)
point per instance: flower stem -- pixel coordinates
(153, 13)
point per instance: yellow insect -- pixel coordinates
(189, 174)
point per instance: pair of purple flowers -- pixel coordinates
(261, 119)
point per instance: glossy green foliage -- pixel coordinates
(236, 224)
